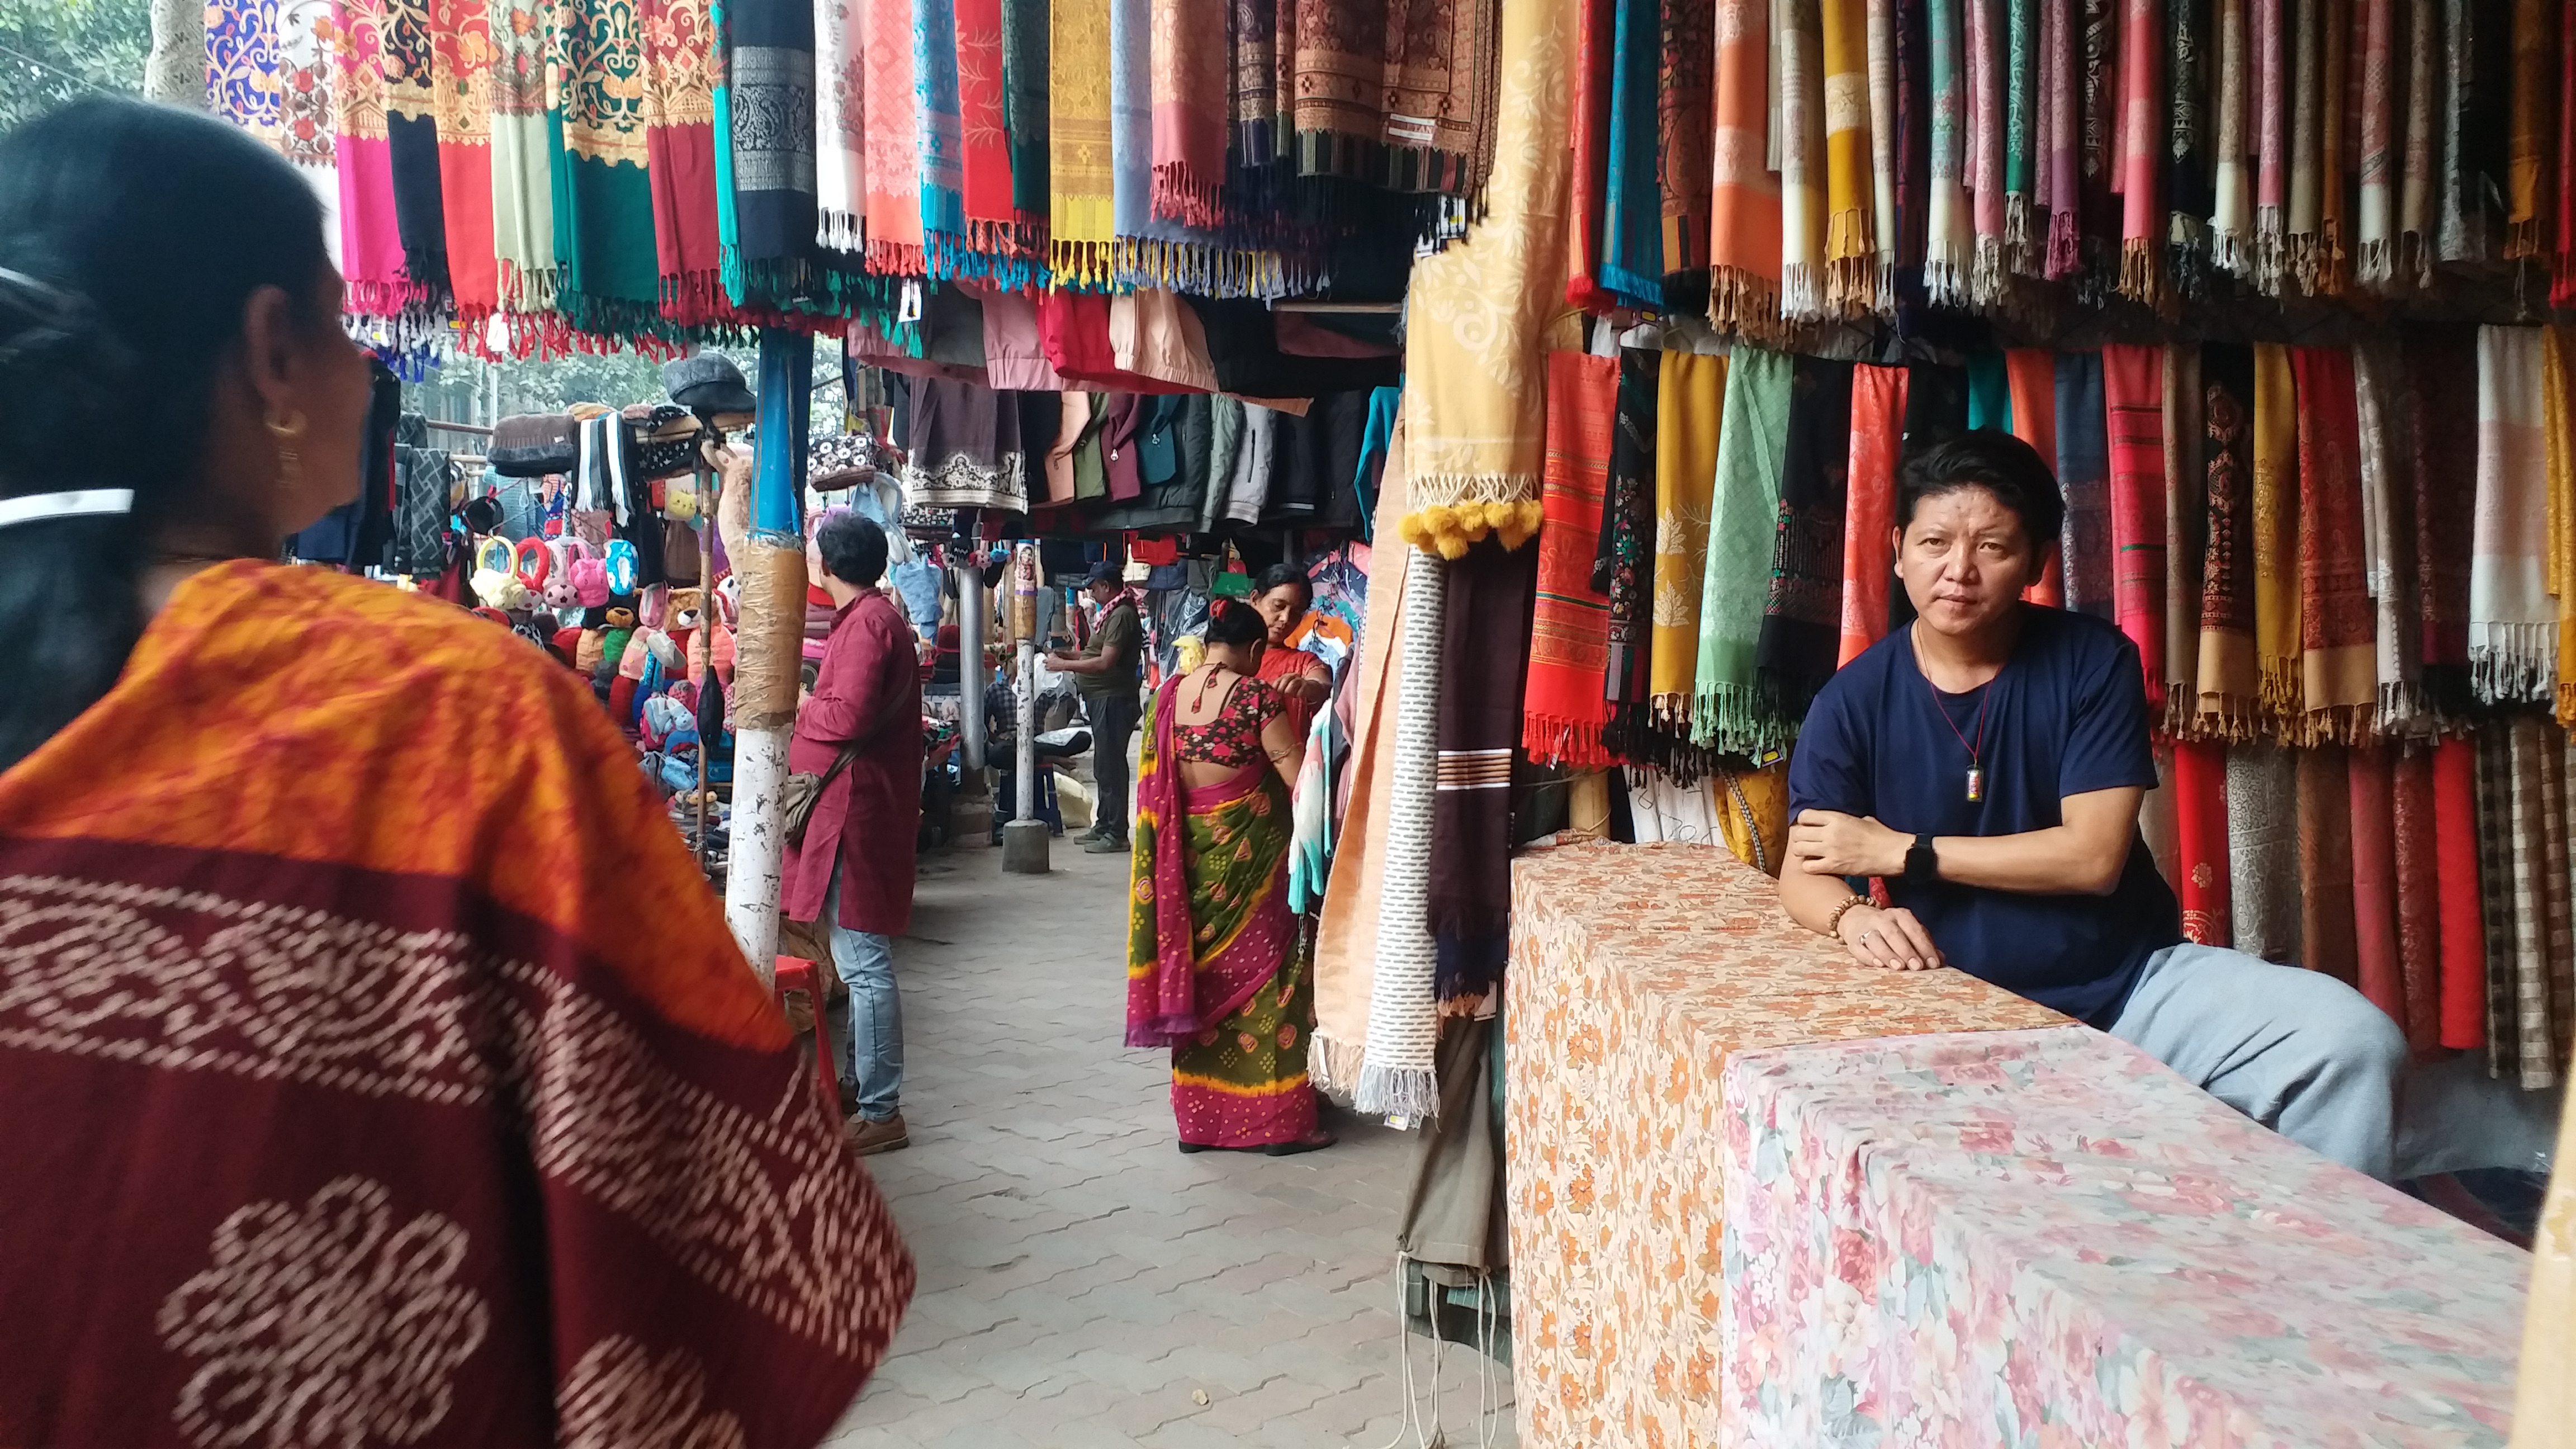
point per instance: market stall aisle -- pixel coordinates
(1082, 1282)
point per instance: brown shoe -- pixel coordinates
(870, 1138)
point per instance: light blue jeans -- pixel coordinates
(870, 1056)
(2312, 1059)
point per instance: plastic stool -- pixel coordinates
(795, 973)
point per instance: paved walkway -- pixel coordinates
(1083, 1284)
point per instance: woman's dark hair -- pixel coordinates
(853, 548)
(1280, 576)
(1232, 623)
(1996, 461)
(132, 237)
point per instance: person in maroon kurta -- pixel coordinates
(854, 871)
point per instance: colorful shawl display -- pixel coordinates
(2023, 126)
(2562, 290)
(2456, 844)
(1440, 91)
(2082, 424)
(1629, 537)
(483, 1146)
(1476, 310)
(1208, 921)
(1565, 705)
(1949, 243)
(983, 118)
(460, 66)
(1334, 57)
(1589, 168)
(303, 56)
(2338, 664)
(1632, 258)
(1483, 657)
(2133, 380)
(1688, 415)
(2276, 533)
(2098, 123)
(1795, 649)
(523, 203)
(371, 248)
(2059, 133)
(1885, 87)
(1799, 121)
(2186, 504)
(1869, 516)
(2513, 623)
(2263, 850)
(2413, 818)
(1727, 710)
(1851, 245)
(2230, 687)
(1685, 95)
(603, 194)
(2201, 842)
(2376, 962)
(1081, 194)
(2145, 110)
(679, 143)
(407, 50)
(942, 162)
(1744, 198)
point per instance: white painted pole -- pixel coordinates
(756, 870)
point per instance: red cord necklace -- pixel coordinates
(1976, 751)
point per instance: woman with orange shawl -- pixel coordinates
(1286, 599)
(1217, 966)
(374, 1066)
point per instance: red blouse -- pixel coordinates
(1233, 735)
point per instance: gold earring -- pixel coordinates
(290, 463)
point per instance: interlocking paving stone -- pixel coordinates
(1083, 1283)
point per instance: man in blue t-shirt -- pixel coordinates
(1988, 763)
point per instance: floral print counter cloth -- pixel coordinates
(2043, 1238)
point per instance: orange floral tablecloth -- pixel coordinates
(1636, 973)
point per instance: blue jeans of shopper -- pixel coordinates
(870, 1057)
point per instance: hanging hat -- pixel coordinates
(708, 383)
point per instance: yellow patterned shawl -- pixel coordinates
(1687, 406)
(1081, 184)
(2276, 531)
(1475, 339)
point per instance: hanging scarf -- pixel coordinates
(2414, 821)
(2419, 175)
(2374, 883)
(2186, 501)
(1950, 241)
(1985, 168)
(941, 166)
(1253, 105)
(1475, 311)
(1629, 528)
(2201, 845)
(2098, 74)
(1483, 659)
(603, 195)
(1803, 199)
(2229, 685)
(2276, 533)
(1685, 96)
(1189, 110)
(1590, 165)
(1403, 1018)
(371, 248)
(2527, 141)
(840, 124)
(1726, 710)
(2542, 950)
(2326, 936)
(2477, 71)
(1884, 88)
(1744, 200)
(2513, 625)
(1565, 705)
(2456, 844)
(895, 132)
(2508, 908)
(2388, 507)
(1851, 247)
(2081, 423)
(1688, 414)
(2263, 850)
(2442, 419)
(2304, 44)
(460, 64)
(2188, 75)
(2231, 216)
(523, 202)
(1336, 83)
(2133, 380)
(1869, 517)
(2271, 143)
(2562, 290)
(679, 142)
(1794, 652)
(1990, 395)
(2144, 118)
(2558, 433)
(2380, 144)
(1911, 230)
(2023, 158)
(1632, 260)
(1081, 197)
(407, 51)
(1440, 100)
(242, 64)
(2338, 669)
(983, 124)
(1025, 118)
(2334, 102)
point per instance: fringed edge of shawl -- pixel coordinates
(1396, 1091)
(2230, 252)
(1802, 293)
(1335, 1065)
(1550, 739)
(1743, 301)
(2187, 254)
(2020, 257)
(2224, 718)
(1183, 196)
(691, 298)
(1851, 268)
(2521, 669)
(1483, 504)
(1670, 708)
(2284, 690)
(2271, 256)
(2339, 724)
(2142, 273)
(1209, 271)
(2378, 265)
(897, 259)
(527, 289)
(2522, 239)
(1945, 282)
(1986, 272)
(841, 231)
(2402, 706)
(1730, 719)
(2065, 245)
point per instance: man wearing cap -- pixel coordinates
(1106, 675)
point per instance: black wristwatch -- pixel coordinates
(1922, 865)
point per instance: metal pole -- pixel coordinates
(973, 608)
(1024, 839)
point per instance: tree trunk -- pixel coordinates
(175, 73)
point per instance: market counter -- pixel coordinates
(1762, 1195)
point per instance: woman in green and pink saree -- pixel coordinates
(1217, 967)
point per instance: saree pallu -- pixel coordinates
(2458, 848)
(1589, 166)
(1482, 659)
(1630, 538)
(1685, 93)
(408, 53)
(460, 63)
(1632, 261)
(603, 208)
(2513, 623)
(1566, 702)
(679, 137)
(896, 241)
(2327, 940)
(2276, 535)
(2338, 664)
(2200, 832)
(1744, 194)
(1728, 709)
(2263, 849)
(2230, 683)
(1795, 652)
(2186, 503)
(521, 1120)
(2082, 425)
(1688, 414)
(371, 249)
(2374, 882)
(523, 210)
(2133, 380)
(1869, 515)
(2413, 818)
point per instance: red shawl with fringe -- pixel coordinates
(1564, 706)
(680, 147)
